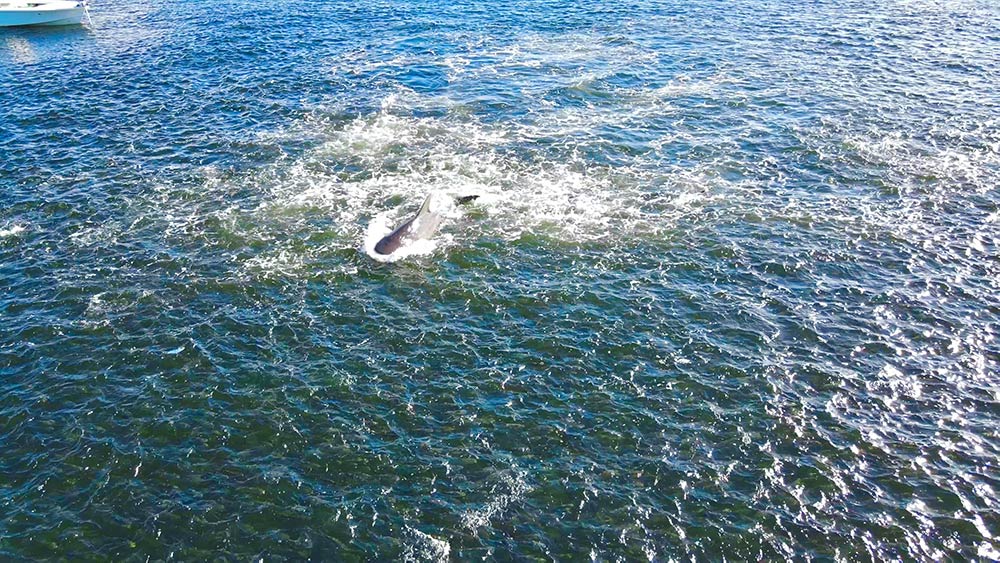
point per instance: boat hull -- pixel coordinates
(53, 13)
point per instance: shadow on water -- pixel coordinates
(34, 44)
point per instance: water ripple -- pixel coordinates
(729, 289)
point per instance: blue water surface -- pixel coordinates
(731, 289)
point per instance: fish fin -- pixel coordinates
(426, 207)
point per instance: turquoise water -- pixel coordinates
(730, 289)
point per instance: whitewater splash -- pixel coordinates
(728, 288)
(440, 204)
(404, 156)
(11, 231)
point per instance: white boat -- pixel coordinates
(41, 12)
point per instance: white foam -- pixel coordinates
(11, 231)
(534, 175)
(988, 551)
(511, 489)
(279, 263)
(93, 234)
(425, 547)
(364, 171)
(406, 157)
(685, 85)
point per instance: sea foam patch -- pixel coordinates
(424, 547)
(11, 231)
(588, 162)
(377, 163)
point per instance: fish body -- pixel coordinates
(421, 226)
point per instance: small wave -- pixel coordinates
(425, 547)
(511, 488)
(369, 167)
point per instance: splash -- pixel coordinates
(380, 227)
(510, 489)
(11, 231)
(425, 547)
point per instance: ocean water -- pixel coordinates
(731, 290)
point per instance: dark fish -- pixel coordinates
(421, 226)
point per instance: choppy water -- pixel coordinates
(731, 289)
